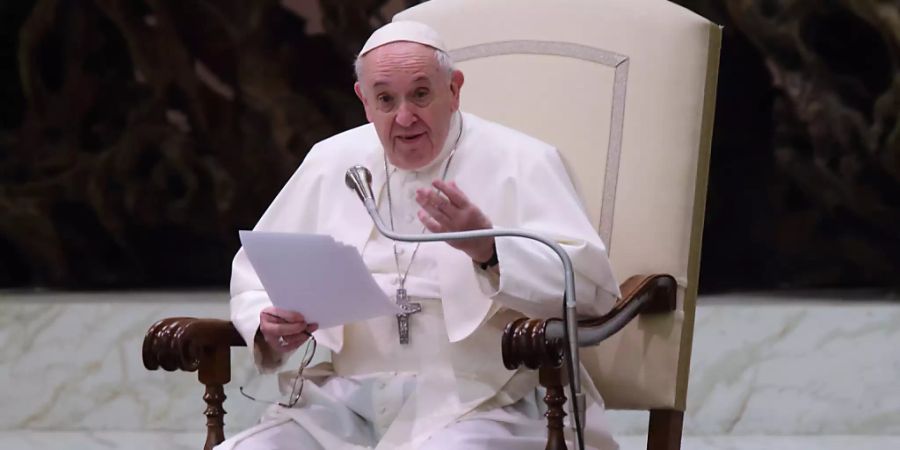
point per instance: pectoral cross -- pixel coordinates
(408, 308)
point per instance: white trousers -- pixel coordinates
(517, 427)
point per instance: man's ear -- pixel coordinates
(358, 89)
(362, 98)
(456, 82)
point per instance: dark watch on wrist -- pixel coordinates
(491, 262)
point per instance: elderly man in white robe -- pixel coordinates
(435, 169)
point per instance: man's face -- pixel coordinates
(409, 100)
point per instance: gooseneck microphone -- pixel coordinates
(359, 179)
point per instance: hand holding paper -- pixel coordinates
(313, 274)
(283, 329)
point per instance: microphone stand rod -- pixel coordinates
(578, 400)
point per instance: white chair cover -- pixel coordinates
(625, 89)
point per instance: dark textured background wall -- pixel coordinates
(137, 136)
(805, 174)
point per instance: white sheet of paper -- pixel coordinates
(315, 275)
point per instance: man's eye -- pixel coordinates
(421, 93)
(384, 99)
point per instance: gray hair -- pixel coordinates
(444, 62)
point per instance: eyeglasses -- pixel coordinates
(297, 388)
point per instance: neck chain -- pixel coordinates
(402, 276)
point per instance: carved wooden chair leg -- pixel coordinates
(665, 429)
(551, 379)
(215, 372)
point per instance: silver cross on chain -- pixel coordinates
(408, 309)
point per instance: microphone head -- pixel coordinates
(359, 179)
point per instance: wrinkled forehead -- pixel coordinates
(399, 62)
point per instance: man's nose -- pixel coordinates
(406, 115)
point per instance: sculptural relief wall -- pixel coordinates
(805, 175)
(144, 134)
(138, 136)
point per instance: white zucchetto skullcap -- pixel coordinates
(404, 31)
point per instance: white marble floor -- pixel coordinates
(73, 440)
(767, 373)
(773, 442)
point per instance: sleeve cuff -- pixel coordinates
(488, 279)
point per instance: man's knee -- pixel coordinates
(481, 435)
(284, 436)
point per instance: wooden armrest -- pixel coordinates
(641, 294)
(179, 343)
(204, 345)
(537, 343)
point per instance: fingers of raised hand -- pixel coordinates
(454, 194)
(469, 215)
(430, 223)
(437, 206)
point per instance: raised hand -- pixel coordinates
(453, 211)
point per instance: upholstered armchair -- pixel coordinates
(625, 89)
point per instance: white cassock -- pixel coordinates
(447, 388)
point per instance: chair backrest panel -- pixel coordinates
(623, 89)
(542, 89)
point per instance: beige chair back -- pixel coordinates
(625, 90)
